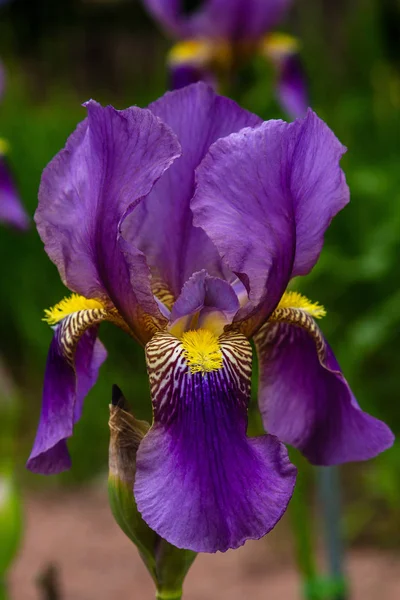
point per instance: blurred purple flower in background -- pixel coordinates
(183, 224)
(221, 34)
(11, 210)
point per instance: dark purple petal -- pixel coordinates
(63, 394)
(292, 87)
(278, 187)
(161, 226)
(11, 210)
(306, 401)
(200, 482)
(111, 161)
(232, 19)
(183, 74)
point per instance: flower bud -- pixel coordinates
(167, 565)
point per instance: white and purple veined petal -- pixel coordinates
(201, 483)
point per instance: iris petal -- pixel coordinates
(278, 187)
(111, 161)
(306, 401)
(161, 226)
(200, 482)
(209, 301)
(68, 380)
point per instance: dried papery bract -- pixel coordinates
(167, 565)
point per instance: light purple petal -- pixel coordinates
(161, 226)
(292, 87)
(11, 210)
(63, 395)
(307, 402)
(200, 482)
(204, 292)
(232, 19)
(110, 162)
(265, 197)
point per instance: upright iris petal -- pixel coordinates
(161, 226)
(80, 210)
(278, 187)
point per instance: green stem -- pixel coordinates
(169, 596)
(3, 590)
(301, 517)
(329, 495)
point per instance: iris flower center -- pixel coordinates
(202, 351)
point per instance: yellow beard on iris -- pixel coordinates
(202, 351)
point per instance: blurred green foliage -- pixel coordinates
(112, 52)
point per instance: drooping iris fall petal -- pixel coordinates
(66, 384)
(200, 482)
(265, 197)
(306, 401)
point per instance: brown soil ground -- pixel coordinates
(76, 532)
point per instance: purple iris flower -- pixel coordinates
(183, 224)
(221, 34)
(11, 210)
